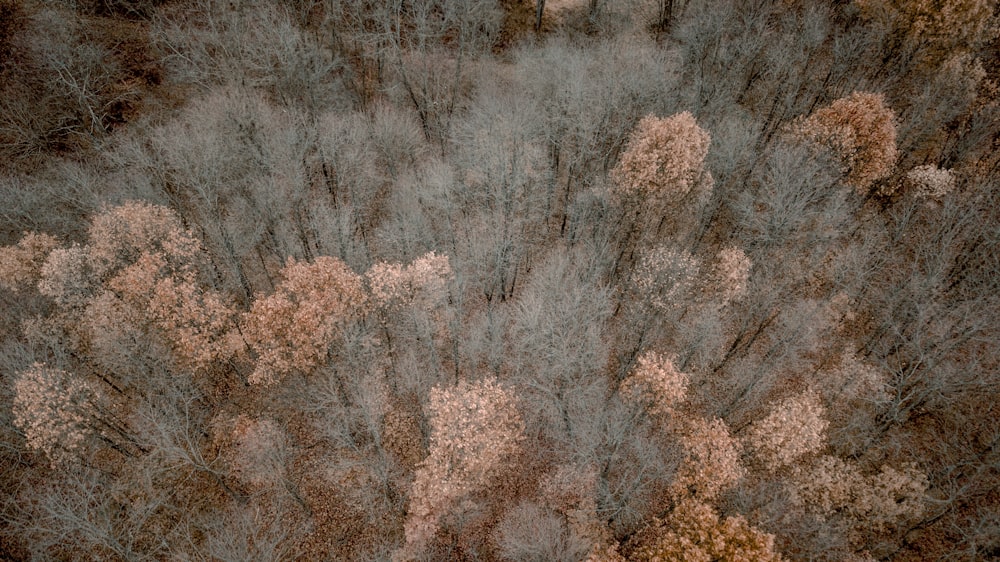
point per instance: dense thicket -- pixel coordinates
(479, 280)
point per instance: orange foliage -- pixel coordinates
(475, 428)
(21, 264)
(293, 328)
(664, 158)
(694, 532)
(55, 411)
(656, 383)
(861, 131)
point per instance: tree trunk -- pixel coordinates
(666, 13)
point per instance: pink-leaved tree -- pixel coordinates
(860, 131)
(292, 329)
(475, 430)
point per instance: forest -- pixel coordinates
(500, 280)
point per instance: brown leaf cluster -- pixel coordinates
(712, 459)
(55, 410)
(939, 26)
(831, 486)
(66, 277)
(694, 532)
(664, 158)
(666, 278)
(21, 264)
(150, 262)
(120, 234)
(794, 428)
(475, 428)
(930, 182)
(656, 383)
(256, 450)
(732, 272)
(425, 280)
(292, 329)
(860, 130)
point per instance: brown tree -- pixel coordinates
(119, 235)
(425, 281)
(67, 277)
(661, 180)
(711, 463)
(832, 487)
(930, 182)
(860, 130)
(475, 428)
(795, 427)
(656, 383)
(292, 329)
(21, 264)
(935, 29)
(664, 159)
(56, 411)
(694, 532)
